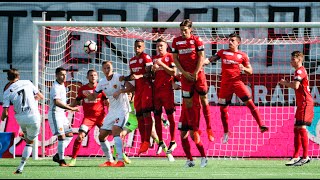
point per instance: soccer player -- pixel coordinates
(164, 70)
(234, 63)
(58, 121)
(140, 65)
(94, 112)
(188, 54)
(23, 95)
(118, 111)
(188, 125)
(304, 111)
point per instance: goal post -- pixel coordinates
(268, 45)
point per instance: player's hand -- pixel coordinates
(75, 109)
(189, 76)
(155, 67)
(241, 67)
(283, 82)
(195, 76)
(135, 76)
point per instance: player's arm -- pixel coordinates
(246, 69)
(38, 96)
(214, 58)
(186, 74)
(294, 84)
(62, 105)
(170, 70)
(5, 113)
(199, 63)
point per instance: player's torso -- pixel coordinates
(93, 107)
(303, 95)
(57, 91)
(230, 64)
(21, 96)
(162, 78)
(138, 67)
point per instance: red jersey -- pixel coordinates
(162, 78)
(91, 108)
(187, 50)
(230, 64)
(303, 95)
(138, 66)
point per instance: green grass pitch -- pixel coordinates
(161, 168)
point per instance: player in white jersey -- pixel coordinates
(23, 95)
(118, 111)
(58, 121)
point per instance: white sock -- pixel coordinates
(61, 149)
(105, 146)
(66, 142)
(118, 143)
(25, 155)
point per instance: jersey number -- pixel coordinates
(23, 96)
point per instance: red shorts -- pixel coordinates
(200, 85)
(185, 123)
(89, 122)
(164, 97)
(228, 88)
(143, 101)
(304, 115)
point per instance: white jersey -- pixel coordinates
(109, 87)
(57, 91)
(21, 95)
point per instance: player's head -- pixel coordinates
(61, 75)
(13, 74)
(139, 46)
(162, 46)
(234, 41)
(186, 28)
(297, 59)
(107, 68)
(92, 76)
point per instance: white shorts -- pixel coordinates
(115, 119)
(30, 125)
(59, 123)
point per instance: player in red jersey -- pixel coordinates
(188, 54)
(164, 70)
(93, 111)
(304, 111)
(234, 63)
(140, 71)
(187, 125)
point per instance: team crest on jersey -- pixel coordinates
(140, 60)
(239, 56)
(115, 86)
(299, 71)
(191, 41)
(166, 59)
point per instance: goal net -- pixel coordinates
(268, 45)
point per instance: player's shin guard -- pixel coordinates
(105, 146)
(118, 144)
(201, 149)
(76, 148)
(186, 148)
(172, 126)
(141, 127)
(27, 150)
(255, 112)
(206, 114)
(224, 118)
(297, 143)
(61, 149)
(158, 126)
(304, 140)
(148, 127)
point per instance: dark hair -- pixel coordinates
(13, 74)
(139, 40)
(59, 69)
(90, 70)
(161, 40)
(106, 62)
(235, 35)
(186, 22)
(297, 54)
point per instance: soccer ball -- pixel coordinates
(90, 46)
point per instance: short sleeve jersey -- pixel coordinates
(91, 108)
(138, 66)
(303, 95)
(162, 78)
(187, 50)
(109, 87)
(21, 94)
(230, 64)
(57, 91)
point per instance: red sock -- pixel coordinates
(224, 118)
(172, 127)
(141, 127)
(201, 149)
(76, 148)
(297, 143)
(158, 125)
(206, 114)
(255, 112)
(148, 128)
(305, 141)
(186, 148)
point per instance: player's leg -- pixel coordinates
(157, 120)
(169, 107)
(104, 132)
(225, 96)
